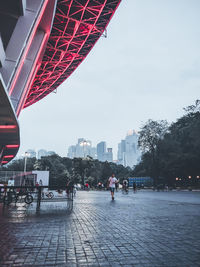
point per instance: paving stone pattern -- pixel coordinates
(142, 229)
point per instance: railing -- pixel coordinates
(29, 194)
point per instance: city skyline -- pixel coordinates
(146, 68)
(79, 139)
(128, 152)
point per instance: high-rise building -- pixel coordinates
(102, 154)
(131, 143)
(128, 151)
(82, 149)
(101, 151)
(85, 148)
(109, 155)
(71, 152)
(121, 152)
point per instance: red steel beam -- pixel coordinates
(77, 25)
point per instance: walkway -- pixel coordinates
(142, 229)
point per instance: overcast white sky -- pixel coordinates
(147, 67)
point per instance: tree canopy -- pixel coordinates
(78, 170)
(175, 153)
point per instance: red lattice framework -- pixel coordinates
(77, 26)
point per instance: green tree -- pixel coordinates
(177, 153)
(77, 170)
(150, 136)
(181, 149)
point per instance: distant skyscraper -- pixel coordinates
(82, 149)
(128, 152)
(132, 154)
(121, 152)
(80, 140)
(109, 155)
(85, 148)
(71, 152)
(101, 151)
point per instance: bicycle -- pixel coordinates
(24, 196)
(124, 189)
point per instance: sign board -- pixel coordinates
(140, 181)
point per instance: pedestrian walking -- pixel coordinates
(134, 187)
(42, 189)
(125, 186)
(117, 185)
(69, 188)
(112, 181)
(75, 190)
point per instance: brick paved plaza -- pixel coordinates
(142, 229)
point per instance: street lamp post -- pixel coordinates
(25, 161)
(190, 182)
(176, 182)
(197, 181)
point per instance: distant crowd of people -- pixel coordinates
(113, 185)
